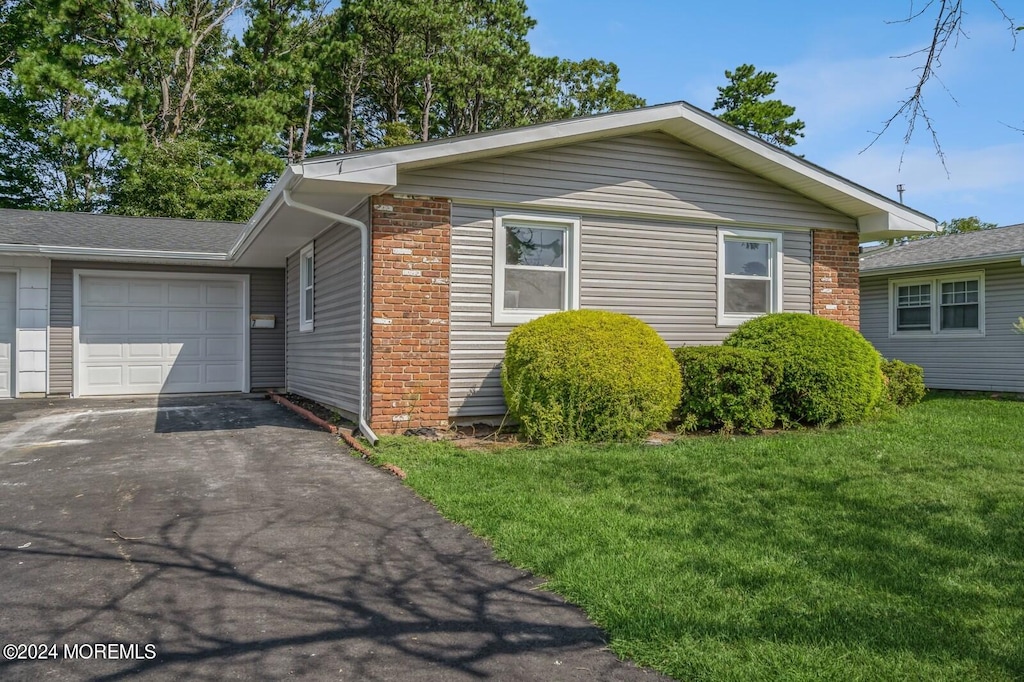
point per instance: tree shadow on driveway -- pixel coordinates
(249, 562)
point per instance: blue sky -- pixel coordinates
(836, 65)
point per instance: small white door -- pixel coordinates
(141, 335)
(8, 330)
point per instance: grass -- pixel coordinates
(893, 550)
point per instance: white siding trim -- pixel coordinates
(776, 258)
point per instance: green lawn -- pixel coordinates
(893, 550)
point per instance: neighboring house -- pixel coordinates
(949, 304)
(392, 277)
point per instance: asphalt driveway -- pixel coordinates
(223, 538)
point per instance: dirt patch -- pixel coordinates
(326, 413)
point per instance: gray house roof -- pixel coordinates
(92, 231)
(1002, 243)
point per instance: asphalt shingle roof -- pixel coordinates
(90, 230)
(1001, 241)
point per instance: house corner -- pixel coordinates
(410, 270)
(836, 276)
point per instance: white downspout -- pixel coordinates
(364, 282)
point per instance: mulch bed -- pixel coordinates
(322, 411)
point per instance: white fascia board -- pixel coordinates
(385, 175)
(503, 142)
(97, 253)
(885, 225)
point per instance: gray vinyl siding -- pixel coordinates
(665, 273)
(323, 364)
(993, 362)
(652, 175)
(266, 295)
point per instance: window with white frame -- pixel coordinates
(536, 266)
(749, 274)
(959, 304)
(914, 307)
(306, 289)
(938, 305)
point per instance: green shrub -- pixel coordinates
(904, 383)
(830, 373)
(588, 375)
(727, 388)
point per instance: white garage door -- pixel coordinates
(145, 335)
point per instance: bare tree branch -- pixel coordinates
(947, 27)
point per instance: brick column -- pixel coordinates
(836, 276)
(411, 261)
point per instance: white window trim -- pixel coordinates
(306, 316)
(775, 264)
(936, 305)
(571, 301)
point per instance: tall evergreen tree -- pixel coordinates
(744, 103)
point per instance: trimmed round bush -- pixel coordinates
(904, 382)
(727, 389)
(588, 375)
(830, 373)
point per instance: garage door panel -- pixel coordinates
(104, 375)
(100, 350)
(106, 292)
(186, 349)
(185, 294)
(223, 320)
(145, 293)
(142, 350)
(153, 335)
(145, 375)
(102, 320)
(225, 374)
(183, 373)
(186, 321)
(146, 321)
(221, 347)
(223, 294)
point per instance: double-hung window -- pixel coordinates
(959, 304)
(938, 305)
(749, 274)
(914, 307)
(306, 289)
(536, 266)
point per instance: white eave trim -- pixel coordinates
(267, 208)
(877, 215)
(505, 141)
(89, 253)
(884, 224)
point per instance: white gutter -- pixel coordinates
(89, 252)
(364, 283)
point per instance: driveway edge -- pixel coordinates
(345, 434)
